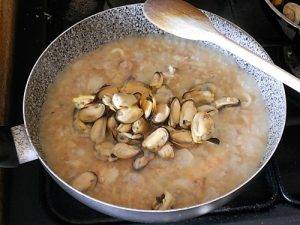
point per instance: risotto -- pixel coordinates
(153, 123)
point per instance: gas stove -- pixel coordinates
(32, 197)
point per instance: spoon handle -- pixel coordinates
(271, 69)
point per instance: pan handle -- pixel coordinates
(15, 147)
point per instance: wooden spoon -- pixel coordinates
(184, 20)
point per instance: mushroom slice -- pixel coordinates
(188, 110)
(245, 99)
(98, 130)
(140, 162)
(107, 101)
(123, 128)
(148, 104)
(129, 115)
(103, 150)
(181, 138)
(156, 139)
(175, 108)
(140, 126)
(91, 112)
(202, 127)
(85, 181)
(164, 201)
(125, 151)
(161, 113)
(157, 80)
(80, 126)
(133, 86)
(121, 100)
(210, 109)
(107, 90)
(226, 102)
(166, 152)
(199, 97)
(83, 100)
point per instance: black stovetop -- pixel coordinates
(32, 198)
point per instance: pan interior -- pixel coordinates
(126, 21)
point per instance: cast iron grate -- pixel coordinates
(287, 164)
(261, 194)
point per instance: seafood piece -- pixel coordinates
(140, 162)
(121, 100)
(226, 102)
(129, 115)
(161, 113)
(156, 139)
(85, 181)
(91, 112)
(188, 110)
(166, 152)
(164, 201)
(140, 126)
(175, 109)
(125, 151)
(202, 127)
(107, 90)
(98, 130)
(83, 100)
(157, 80)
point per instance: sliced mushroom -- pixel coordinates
(175, 108)
(91, 112)
(157, 80)
(129, 115)
(121, 100)
(133, 86)
(85, 181)
(148, 104)
(166, 152)
(83, 100)
(98, 130)
(104, 150)
(164, 201)
(156, 139)
(123, 128)
(226, 102)
(83, 128)
(140, 126)
(188, 110)
(140, 162)
(161, 113)
(107, 90)
(181, 138)
(210, 109)
(202, 127)
(125, 151)
(199, 97)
